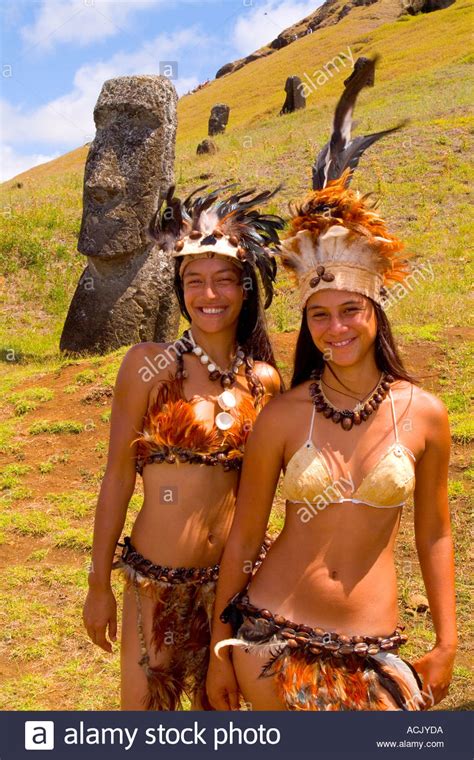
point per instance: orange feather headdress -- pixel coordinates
(336, 239)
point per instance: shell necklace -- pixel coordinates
(226, 400)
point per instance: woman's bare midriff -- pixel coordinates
(336, 571)
(186, 514)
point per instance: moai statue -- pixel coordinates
(295, 98)
(218, 119)
(206, 146)
(358, 65)
(125, 294)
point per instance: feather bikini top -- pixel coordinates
(172, 433)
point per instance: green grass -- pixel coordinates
(6, 433)
(85, 377)
(413, 332)
(10, 475)
(462, 429)
(32, 524)
(15, 493)
(31, 394)
(38, 556)
(79, 539)
(56, 426)
(456, 488)
(75, 504)
(45, 467)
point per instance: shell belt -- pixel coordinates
(148, 569)
(130, 557)
(316, 641)
(173, 454)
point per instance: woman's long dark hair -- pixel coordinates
(252, 332)
(387, 358)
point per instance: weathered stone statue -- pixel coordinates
(295, 98)
(125, 294)
(218, 119)
(206, 146)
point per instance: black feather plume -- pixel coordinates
(342, 151)
(165, 225)
(235, 215)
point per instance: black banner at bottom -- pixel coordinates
(173, 736)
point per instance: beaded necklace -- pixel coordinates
(348, 417)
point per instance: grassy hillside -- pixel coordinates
(54, 428)
(422, 173)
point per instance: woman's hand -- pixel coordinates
(436, 671)
(100, 613)
(221, 684)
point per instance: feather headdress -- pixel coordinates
(207, 225)
(336, 238)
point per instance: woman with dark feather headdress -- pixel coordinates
(316, 627)
(181, 415)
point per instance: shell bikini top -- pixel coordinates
(172, 433)
(388, 484)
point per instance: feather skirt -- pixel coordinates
(324, 681)
(312, 682)
(183, 606)
(181, 624)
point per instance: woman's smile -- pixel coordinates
(211, 311)
(341, 343)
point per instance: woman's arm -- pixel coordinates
(435, 551)
(260, 471)
(128, 409)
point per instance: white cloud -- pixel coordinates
(259, 26)
(79, 21)
(12, 163)
(68, 120)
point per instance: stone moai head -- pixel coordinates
(218, 119)
(130, 159)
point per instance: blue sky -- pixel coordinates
(57, 53)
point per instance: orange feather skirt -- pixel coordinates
(310, 673)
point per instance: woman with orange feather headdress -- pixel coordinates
(356, 439)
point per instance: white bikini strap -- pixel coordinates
(310, 436)
(394, 416)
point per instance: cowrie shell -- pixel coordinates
(224, 421)
(226, 400)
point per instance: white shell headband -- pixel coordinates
(231, 226)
